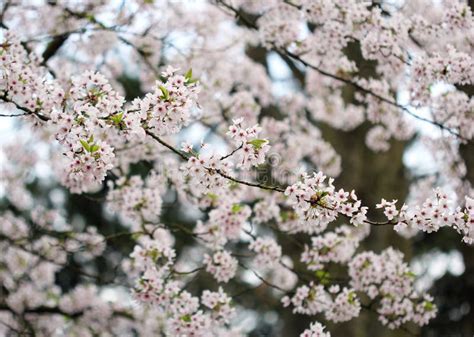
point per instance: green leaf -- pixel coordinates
(428, 305)
(410, 274)
(189, 75)
(186, 318)
(39, 102)
(236, 208)
(166, 94)
(257, 143)
(323, 276)
(154, 254)
(117, 118)
(94, 148)
(213, 196)
(351, 297)
(85, 145)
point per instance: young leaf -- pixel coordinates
(186, 318)
(351, 297)
(428, 305)
(236, 208)
(166, 94)
(189, 75)
(117, 118)
(257, 143)
(85, 145)
(94, 148)
(323, 276)
(213, 196)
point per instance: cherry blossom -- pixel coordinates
(221, 265)
(316, 330)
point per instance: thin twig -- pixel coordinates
(233, 152)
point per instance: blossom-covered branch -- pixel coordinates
(103, 94)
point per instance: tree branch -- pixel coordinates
(285, 54)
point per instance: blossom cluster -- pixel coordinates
(225, 223)
(253, 149)
(386, 276)
(187, 315)
(315, 330)
(317, 203)
(312, 299)
(204, 172)
(168, 108)
(137, 200)
(268, 252)
(338, 246)
(221, 265)
(432, 214)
